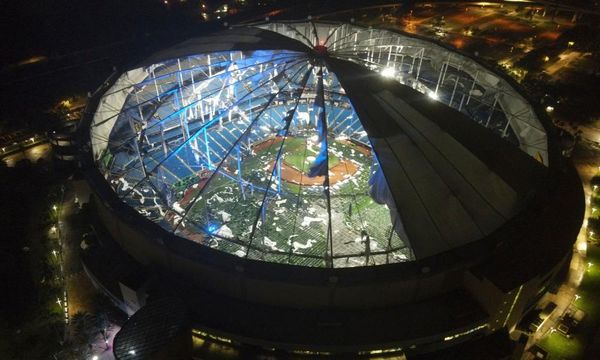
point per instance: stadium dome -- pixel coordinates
(326, 188)
(319, 144)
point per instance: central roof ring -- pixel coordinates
(320, 51)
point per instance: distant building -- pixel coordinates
(63, 142)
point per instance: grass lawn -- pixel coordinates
(558, 346)
(295, 152)
(299, 162)
(352, 208)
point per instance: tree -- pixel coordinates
(84, 329)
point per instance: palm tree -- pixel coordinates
(84, 329)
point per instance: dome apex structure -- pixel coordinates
(241, 143)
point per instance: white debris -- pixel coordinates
(278, 203)
(226, 216)
(240, 253)
(218, 198)
(247, 232)
(177, 207)
(297, 245)
(225, 231)
(160, 210)
(270, 243)
(125, 184)
(400, 257)
(308, 220)
(142, 197)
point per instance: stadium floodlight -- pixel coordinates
(388, 72)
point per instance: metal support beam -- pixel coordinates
(279, 175)
(472, 87)
(137, 146)
(239, 172)
(420, 63)
(487, 123)
(462, 100)
(454, 88)
(208, 160)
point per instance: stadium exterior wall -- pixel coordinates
(147, 243)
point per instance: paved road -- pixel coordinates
(80, 289)
(564, 62)
(34, 153)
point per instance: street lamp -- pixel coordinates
(55, 208)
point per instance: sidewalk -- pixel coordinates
(80, 289)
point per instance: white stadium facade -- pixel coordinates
(327, 188)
